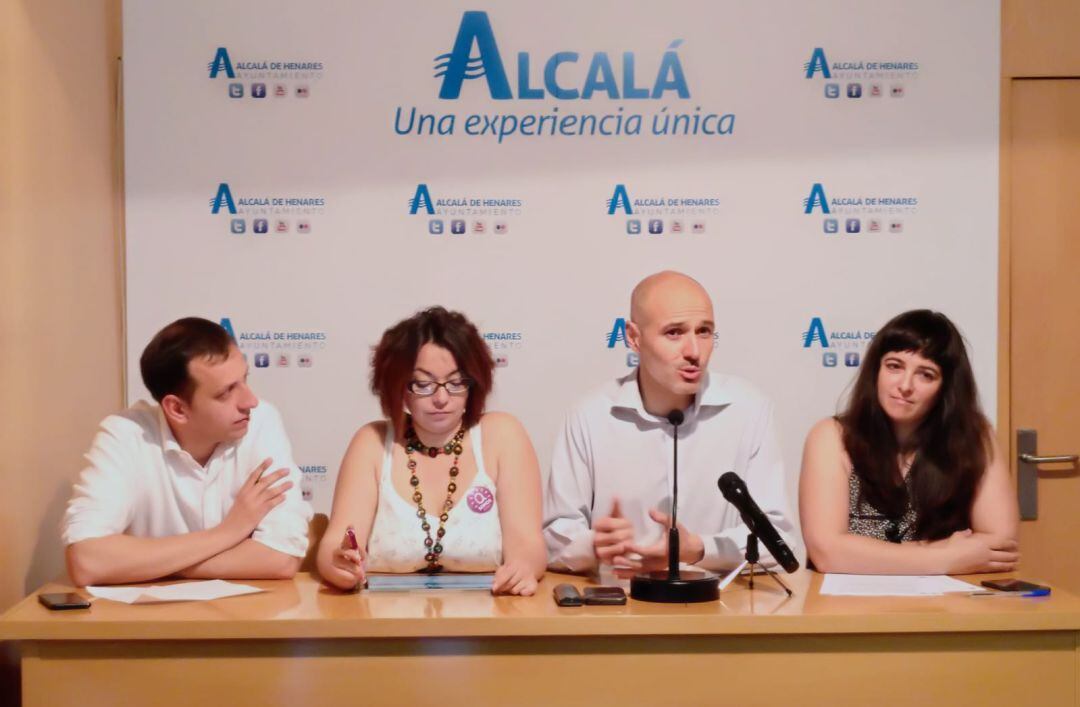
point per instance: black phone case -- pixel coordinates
(1011, 585)
(62, 605)
(567, 595)
(594, 598)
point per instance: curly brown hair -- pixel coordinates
(394, 358)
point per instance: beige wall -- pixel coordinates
(60, 352)
(1038, 40)
(60, 336)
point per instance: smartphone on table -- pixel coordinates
(604, 595)
(1015, 585)
(63, 601)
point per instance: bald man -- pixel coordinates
(608, 497)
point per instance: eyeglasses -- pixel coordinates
(423, 389)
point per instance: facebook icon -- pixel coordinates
(851, 359)
(656, 226)
(852, 225)
(854, 90)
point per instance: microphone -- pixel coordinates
(675, 417)
(671, 586)
(736, 493)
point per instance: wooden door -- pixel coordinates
(1043, 172)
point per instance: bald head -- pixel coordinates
(671, 328)
(663, 294)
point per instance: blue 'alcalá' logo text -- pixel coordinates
(559, 79)
(617, 333)
(816, 200)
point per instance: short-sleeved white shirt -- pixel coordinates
(611, 447)
(139, 481)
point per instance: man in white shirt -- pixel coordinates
(185, 487)
(609, 494)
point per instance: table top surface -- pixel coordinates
(304, 608)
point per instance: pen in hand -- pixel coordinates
(350, 539)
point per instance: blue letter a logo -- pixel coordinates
(817, 63)
(221, 62)
(816, 332)
(619, 199)
(422, 198)
(226, 324)
(816, 199)
(457, 66)
(617, 334)
(223, 198)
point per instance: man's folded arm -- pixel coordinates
(250, 559)
(120, 558)
(98, 551)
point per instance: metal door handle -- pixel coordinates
(1027, 471)
(1059, 459)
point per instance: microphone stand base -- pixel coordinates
(686, 587)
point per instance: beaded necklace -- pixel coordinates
(434, 545)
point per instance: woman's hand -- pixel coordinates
(969, 553)
(514, 577)
(346, 569)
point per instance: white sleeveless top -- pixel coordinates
(473, 540)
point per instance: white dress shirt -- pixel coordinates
(140, 481)
(610, 447)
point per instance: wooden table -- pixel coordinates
(302, 644)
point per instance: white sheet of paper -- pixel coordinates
(187, 591)
(732, 575)
(867, 585)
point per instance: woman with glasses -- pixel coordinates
(908, 479)
(439, 485)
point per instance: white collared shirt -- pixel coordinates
(611, 447)
(140, 481)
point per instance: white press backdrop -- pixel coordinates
(882, 116)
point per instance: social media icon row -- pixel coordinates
(262, 360)
(261, 226)
(437, 227)
(656, 226)
(855, 90)
(830, 359)
(258, 90)
(854, 225)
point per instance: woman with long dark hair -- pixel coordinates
(908, 479)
